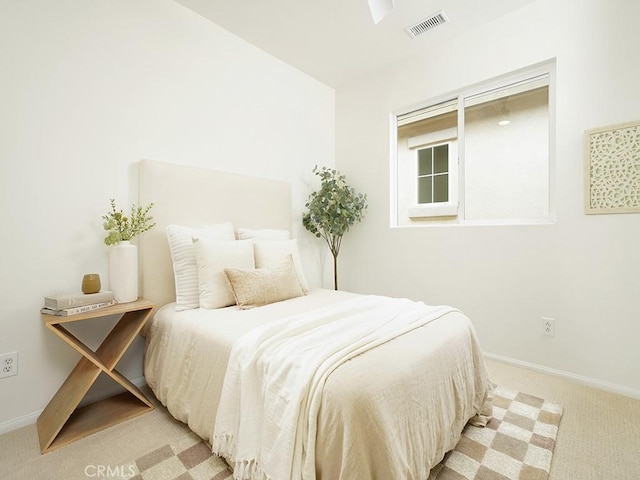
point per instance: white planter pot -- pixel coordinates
(123, 272)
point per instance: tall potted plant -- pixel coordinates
(123, 258)
(332, 210)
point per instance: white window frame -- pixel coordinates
(546, 68)
(437, 209)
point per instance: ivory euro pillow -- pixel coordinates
(261, 286)
(183, 257)
(212, 257)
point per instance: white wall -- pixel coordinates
(89, 88)
(582, 270)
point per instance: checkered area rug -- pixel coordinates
(516, 444)
(189, 458)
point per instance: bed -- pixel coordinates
(320, 384)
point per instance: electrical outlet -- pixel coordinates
(8, 364)
(549, 326)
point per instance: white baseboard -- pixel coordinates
(591, 382)
(19, 422)
(31, 418)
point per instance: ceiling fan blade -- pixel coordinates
(380, 8)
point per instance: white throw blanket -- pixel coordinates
(267, 416)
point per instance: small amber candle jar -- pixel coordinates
(91, 283)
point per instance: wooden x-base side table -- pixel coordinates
(62, 422)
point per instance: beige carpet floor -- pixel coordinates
(599, 436)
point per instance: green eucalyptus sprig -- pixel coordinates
(121, 228)
(332, 210)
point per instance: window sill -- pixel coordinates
(435, 210)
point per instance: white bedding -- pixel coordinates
(391, 412)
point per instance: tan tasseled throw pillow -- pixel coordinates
(261, 286)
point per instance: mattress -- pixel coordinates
(390, 412)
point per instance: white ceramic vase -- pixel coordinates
(123, 272)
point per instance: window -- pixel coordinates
(433, 174)
(481, 156)
(428, 161)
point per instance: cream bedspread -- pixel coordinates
(391, 412)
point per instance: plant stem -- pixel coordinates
(335, 271)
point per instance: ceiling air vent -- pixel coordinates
(427, 24)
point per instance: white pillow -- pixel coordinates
(263, 234)
(183, 256)
(270, 252)
(261, 286)
(212, 257)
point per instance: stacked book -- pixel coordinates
(75, 303)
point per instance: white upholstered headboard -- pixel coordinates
(193, 196)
